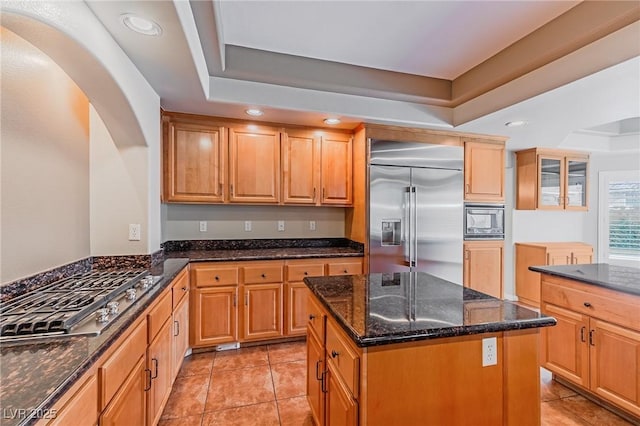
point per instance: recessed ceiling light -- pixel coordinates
(255, 112)
(140, 25)
(516, 123)
(331, 121)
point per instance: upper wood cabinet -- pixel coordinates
(254, 164)
(317, 168)
(194, 162)
(551, 180)
(483, 171)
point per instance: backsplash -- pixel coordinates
(186, 245)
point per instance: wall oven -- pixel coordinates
(484, 221)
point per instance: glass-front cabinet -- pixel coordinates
(551, 179)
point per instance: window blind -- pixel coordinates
(624, 218)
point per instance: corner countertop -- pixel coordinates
(262, 249)
(620, 278)
(380, 309)
(34, 374)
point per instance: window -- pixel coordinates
(619, 224)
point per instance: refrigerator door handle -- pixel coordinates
(406, 227)
(414, 227)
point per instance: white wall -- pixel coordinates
(45, 163)
(181, 221)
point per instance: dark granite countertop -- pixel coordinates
(379, 309)
(266, 249)
(621, 278)
(35, 374)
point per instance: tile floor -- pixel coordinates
(266, 385)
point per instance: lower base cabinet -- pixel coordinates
(82, 408)
(128, 407)
(315, 378)
(159, 362)
(262, 311)
(214, 319)
(341, 409)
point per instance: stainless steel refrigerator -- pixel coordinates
(416, 208)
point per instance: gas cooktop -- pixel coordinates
(82, 304)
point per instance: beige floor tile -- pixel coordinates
(264, 414)
(239, 387)
(553, 413)
(187, 398)
(182, 421)
(290, 379)
(592, 413)
(295, 412)
(287, 352)
(241, 358)
(197, 364)
(550, 389)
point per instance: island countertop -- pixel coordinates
(379, 309)
(620, 278)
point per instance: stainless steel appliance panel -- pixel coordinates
(388, 219)
(415, 154)
(439, 214)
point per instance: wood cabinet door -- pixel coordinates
(340, 409)
(82, 408)
(483, 267)
(615, 364)
(565, 347)
(297, 294)
(551, 182)
(160, 362)
(262, 311)
(180, 335)
(194, 163)
(254, 169)
(559, 257)
(315, 376)
(300, 168)
(215, 316)
(483, 171)
(576, 183)
(337, 170)
(128, 406)
(581, 256)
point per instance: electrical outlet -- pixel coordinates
(280, 225)
(203, 226)
(489, 351)
(134, 232)
(312, 225)
(247, 225)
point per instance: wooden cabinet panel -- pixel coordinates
(344, 358)
(615, 364)
(214, 316)
(300, 170)
(483, 267)
(129, 407)
(341, 409)
(337, 170)
(160, 362)
(82, 408)
(159, 314)
(298, 272)
(195, 162)
(180, 288)
(116, 369)
(297, 313)
(266, 272)
(262, 311)
(218, 275)
(551, 179)
(565, 349)
(315, 377)
(483, 171)
(254, 170)
(180, 335)
(317, 318)
(345, 267)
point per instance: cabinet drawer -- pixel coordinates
(343, 357)
(116, 369)
(180, 287)
(159, 314)
(300, 272)
(208, 276)
(262, 274)
(317, 318)
(344, 268)
(620, 309)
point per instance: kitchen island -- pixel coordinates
(595, 348)
(407, 349)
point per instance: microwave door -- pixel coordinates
(389, 214)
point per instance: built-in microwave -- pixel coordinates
(484, 221)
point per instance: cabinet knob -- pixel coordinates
(311, 317)
(306, 273)
(217, 278)
(334, 354)
(587, 304)
(184, 289)
(263, 276)
(345, 271)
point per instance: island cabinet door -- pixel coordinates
(315, 378)
(615, 364)
(565, 347)
(341, 409)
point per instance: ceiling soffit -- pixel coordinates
(581, 25)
